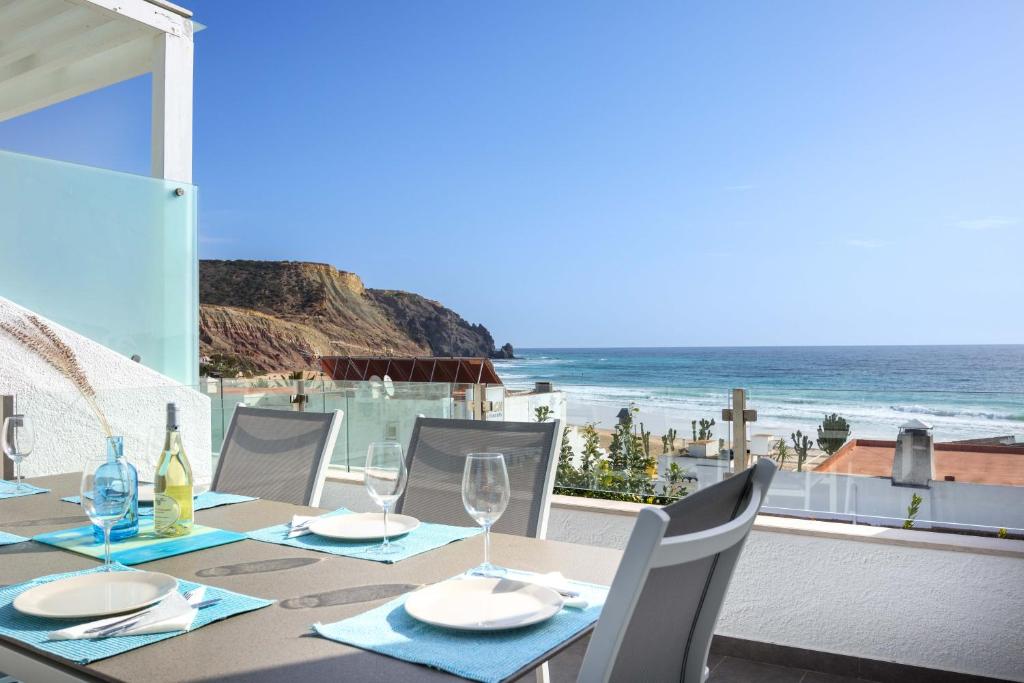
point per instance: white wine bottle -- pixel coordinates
(172, 499)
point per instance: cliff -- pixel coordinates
(272, 316)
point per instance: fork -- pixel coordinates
(121, 628)
(564, 592)
(136, 615)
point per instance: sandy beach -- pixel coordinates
(815, 456)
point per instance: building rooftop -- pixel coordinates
(976, 464)
(452, 370)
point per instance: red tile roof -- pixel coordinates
(967, 463)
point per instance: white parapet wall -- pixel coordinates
(875, 500)
(523, 407)
(935, 600)
(132, 397)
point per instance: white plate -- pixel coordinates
(366, 526)
(95, 595)
(477, 603)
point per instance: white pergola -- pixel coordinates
(53, 50)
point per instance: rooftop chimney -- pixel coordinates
(912, 464)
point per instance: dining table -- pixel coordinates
(275, 643)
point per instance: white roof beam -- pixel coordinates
(63, 26)
(56, 56)
(53, 50)
(23, 14)
(171, 154)
(145, 13)
(92, 73)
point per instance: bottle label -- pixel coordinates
(166, 512)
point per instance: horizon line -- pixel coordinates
(769, 346)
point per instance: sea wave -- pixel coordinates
(954, 412)
(789, 388)
(662, 408)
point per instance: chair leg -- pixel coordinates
(543, 676)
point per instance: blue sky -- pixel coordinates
(613, 173)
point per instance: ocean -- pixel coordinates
(963, 391)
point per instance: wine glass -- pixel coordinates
(384, 476)
(106, 496)
(17, 440)
(485, 494)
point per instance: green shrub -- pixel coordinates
(833, 433)
(912, 510)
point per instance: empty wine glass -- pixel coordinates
(485, 494)
(384, 477)
(17, 440)
(106, 496)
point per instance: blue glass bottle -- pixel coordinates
(129, 526)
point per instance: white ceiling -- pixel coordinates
(53, 50)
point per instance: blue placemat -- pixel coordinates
(487, 657)
(421, 539)
(8, 539)
(204, 501)
(9, 489)
(144, 547)
(33, 630)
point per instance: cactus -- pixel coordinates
(704, 433)
(645, 440)
(542, 413)
(668, 442)
(912, 510)
(801, 444)
(833, 433)
(781, 453)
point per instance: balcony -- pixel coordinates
(890, 546)
(834, 551)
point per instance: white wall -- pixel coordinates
(951, 504)
(956, 611)
(936, 608)
(522, 408)
(874, 500)
(132, 397)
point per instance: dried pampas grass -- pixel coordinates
(40, 339)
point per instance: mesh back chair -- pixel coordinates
(277, 454)
(661, 611)
(437, 453)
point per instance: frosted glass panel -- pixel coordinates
(113, 256)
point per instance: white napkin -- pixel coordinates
(556, 582)
(173, 613)
(296, 521)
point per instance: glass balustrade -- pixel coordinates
(112, 256)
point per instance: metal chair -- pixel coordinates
(277, 454)
(661, 611)
(437, 454)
